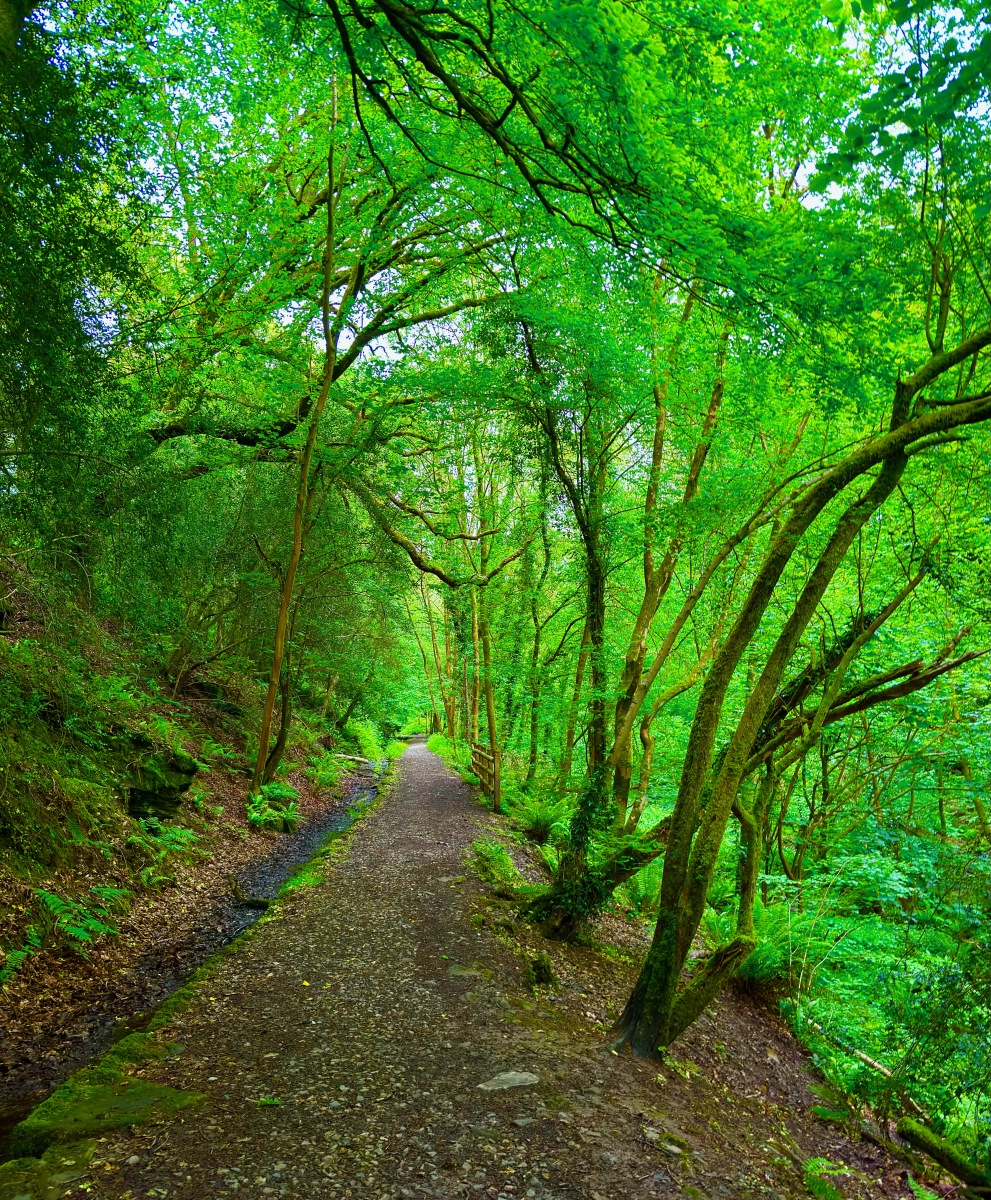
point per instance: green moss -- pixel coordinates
(79, 1110)
(944, 1152)
(102, 1097)
(45, 1178)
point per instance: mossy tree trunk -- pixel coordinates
(658, 1009)
(331, 331)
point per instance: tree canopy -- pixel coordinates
(605, 386)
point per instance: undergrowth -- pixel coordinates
(274, 808)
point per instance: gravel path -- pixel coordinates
(374, 1006)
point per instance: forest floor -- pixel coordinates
(62, 1009)
(342, 1047)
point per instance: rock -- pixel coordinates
(509, 1079)
(156, 786)
(540, 971)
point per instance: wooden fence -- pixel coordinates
(485, 765)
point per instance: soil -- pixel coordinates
(342, 1050)
(62, 1009)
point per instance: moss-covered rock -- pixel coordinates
(45, 1178)
(99, 1098)
(157, 785)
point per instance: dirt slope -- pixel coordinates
(376, 1004)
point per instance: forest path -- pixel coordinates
(373, 1006)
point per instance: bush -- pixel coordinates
(439, 743)
(275, 808)
(455, 754)
(540, 820)
(324, 771)
(790, 945)
(365, 737)
(394, 750)
(642, 892)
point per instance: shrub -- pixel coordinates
(455, 754)
(790, 944)
(540, 820)
(365, 737)
(324, 771)
(439, 743)
(275, 808)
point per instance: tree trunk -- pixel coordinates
(476, 676)
(657, 578)
(445, 698)
(564, 769)
(303, 488)
(331, 684)
(490, 711)
(657, 1012)
(285, 719)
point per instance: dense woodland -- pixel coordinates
(605, 384)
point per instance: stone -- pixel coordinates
(509, 1079)
(157, 785)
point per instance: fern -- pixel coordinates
(74, 921)
(920, 1192)
(114, 898)
(16, 959)
(153, 879)
(540, 820)
(816, 1172)
(324, 770)
(275, 808)
(279, 791)
(158, 841)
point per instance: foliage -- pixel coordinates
(15, 959)
(495, 866)
(367, 740)
(920, 1192)
(324, 771)
(275, 808)
(636, 414)
(455, 753)
(437, 743)
(642, 893)
(539, 819)
(817, 1173)
(74, 921)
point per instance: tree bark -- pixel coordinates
(564, 769)
(303, 489)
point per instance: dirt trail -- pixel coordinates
(63, 1010)
(375, 1005)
